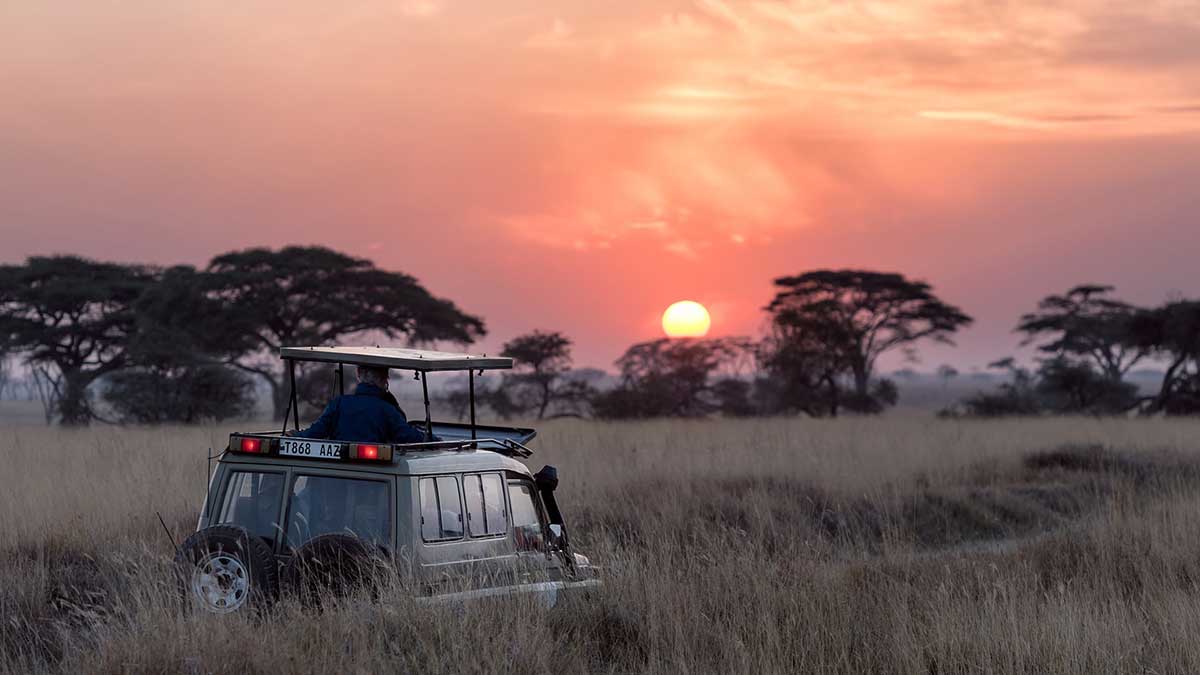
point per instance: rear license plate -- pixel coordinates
(311, 449)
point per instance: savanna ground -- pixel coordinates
(905, 545)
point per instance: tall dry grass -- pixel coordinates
(854, 545)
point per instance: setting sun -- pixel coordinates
(686, 319)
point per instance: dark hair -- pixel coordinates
(376, 375)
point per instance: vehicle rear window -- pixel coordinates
(485, 504)
(527, 524)
(326, 504)
(441, 509)
(252, 501)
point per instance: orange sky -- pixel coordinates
(579, 165)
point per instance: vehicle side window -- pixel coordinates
(328, 504)
(441, 509)
(485, 504)
(252, 501)
(527, 524)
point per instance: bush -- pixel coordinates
(1185, 397)
(648, 398)
(884, 394)
(733, 397)
(188, 395)
(1009, 402)
(1075, 387)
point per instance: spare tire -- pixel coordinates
(222, 569)
(333, 565)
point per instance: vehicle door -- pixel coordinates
(250, 496)
(321, 501)
(462, 530)
(530, 529)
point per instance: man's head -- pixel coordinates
(375, 375)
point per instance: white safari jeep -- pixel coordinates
(457, 519)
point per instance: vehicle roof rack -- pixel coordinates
(503, 446)
(422, 361)
(396, 357)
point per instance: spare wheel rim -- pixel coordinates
(221, 582)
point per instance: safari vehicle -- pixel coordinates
(457, 518)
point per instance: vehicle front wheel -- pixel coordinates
(222, 569)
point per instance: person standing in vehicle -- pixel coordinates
(369, 415)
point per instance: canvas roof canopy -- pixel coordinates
(395, 357)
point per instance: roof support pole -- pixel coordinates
(294, 404)
(341, 379)
(428, 419)
(287, 413)
(471, 389)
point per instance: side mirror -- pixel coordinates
(557, 538)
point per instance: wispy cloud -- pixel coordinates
(985, 117)
(1181, 108)
(586, 122)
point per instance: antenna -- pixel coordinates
(168, 531)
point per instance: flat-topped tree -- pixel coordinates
(177, 356)
(541, 358)
(859, 315)
(1086, 323)
(1172, 332)
(168, 314)
(71, 319)
(314, 295)
(671, 377)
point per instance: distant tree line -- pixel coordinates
(181, 344)
(827, 331)
(143, 344)
(1089, 342)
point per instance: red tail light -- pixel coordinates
(376, 453)
(252, 445)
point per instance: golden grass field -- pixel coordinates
(892, 545)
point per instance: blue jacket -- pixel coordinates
(369, 415)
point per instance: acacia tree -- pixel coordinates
(854, 316)
(176, 367)
(541, 359)
(1086, 323)
(804, 359)
(670, 378)
(313, 295)
(947, 372)
(1173, 333)
(71, 319)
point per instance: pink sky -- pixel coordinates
(580, 165)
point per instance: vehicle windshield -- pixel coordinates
(327, 504)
